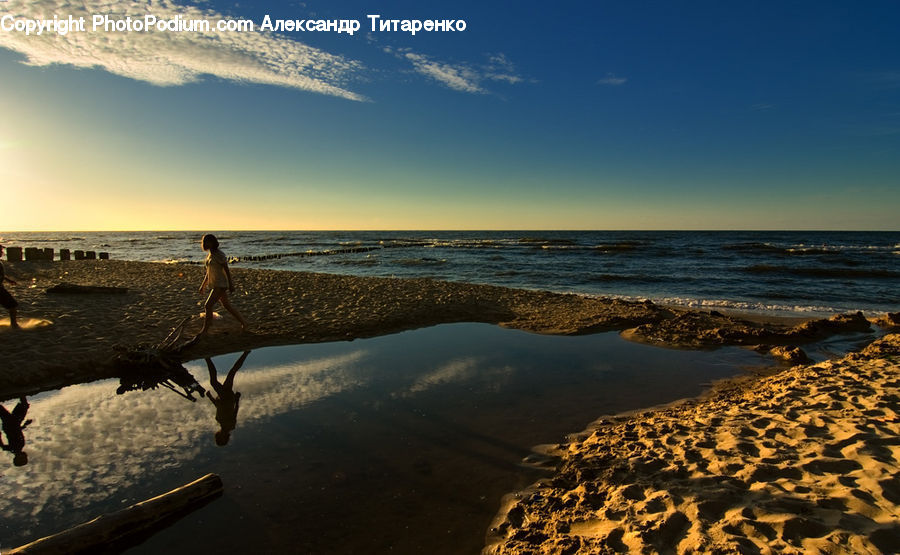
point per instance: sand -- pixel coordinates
(805, 460)
(282, 308)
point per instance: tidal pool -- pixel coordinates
(402, 444)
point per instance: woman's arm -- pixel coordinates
(228, 275)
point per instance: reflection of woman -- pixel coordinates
(13, 425)
(227, 401)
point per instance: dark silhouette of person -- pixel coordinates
(6, 300)
(14, 424)
(227, 401)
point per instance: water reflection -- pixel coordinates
(174, 377)
(88, 446)
(226, 400)
(460, 370)
(14, 425)
(401, 443)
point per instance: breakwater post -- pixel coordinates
(34, 254)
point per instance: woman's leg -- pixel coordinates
(213, 377)
(227, 304)
(211, 301)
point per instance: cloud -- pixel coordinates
(460, 76)
(458, 371)
(176, 58)
(457, 77)
(501, 69)
(613, 80)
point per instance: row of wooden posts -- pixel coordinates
(14, 254)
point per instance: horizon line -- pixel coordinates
(455, 230)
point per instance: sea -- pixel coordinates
(775, 272)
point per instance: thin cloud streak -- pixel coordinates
(460, 76)
(613, 80)
(177, 58)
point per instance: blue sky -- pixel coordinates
(639, 115)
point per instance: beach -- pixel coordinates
(804, 459)
(583, 279)
(282, 308)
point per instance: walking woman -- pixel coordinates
(218, 279)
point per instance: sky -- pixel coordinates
(569, 115)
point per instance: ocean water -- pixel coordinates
(811, 273)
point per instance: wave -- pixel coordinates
(421, 261)
(367, 261)
(264, 240)
(623, 246)
(821, 272)
(802, 249)
(546, 241)
(743, 306)
(562, 247)
(456, 244)
(634, 278)
(752, 247)
(12, 240)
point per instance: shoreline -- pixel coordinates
(283, 307)
(290, 307)
(615, 465)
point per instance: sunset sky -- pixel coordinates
(574, 115)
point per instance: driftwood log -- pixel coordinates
(128, 526)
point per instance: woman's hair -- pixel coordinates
(209, 242)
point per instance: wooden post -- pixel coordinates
(103, 255)
(48, 254)
(79, 255)
(14, 254)
(90, 255)
(64, 254)
(139, 518)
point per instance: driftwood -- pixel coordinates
(128, 526)
(71, 288)
(147, 367)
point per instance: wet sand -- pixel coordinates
(803, 460)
